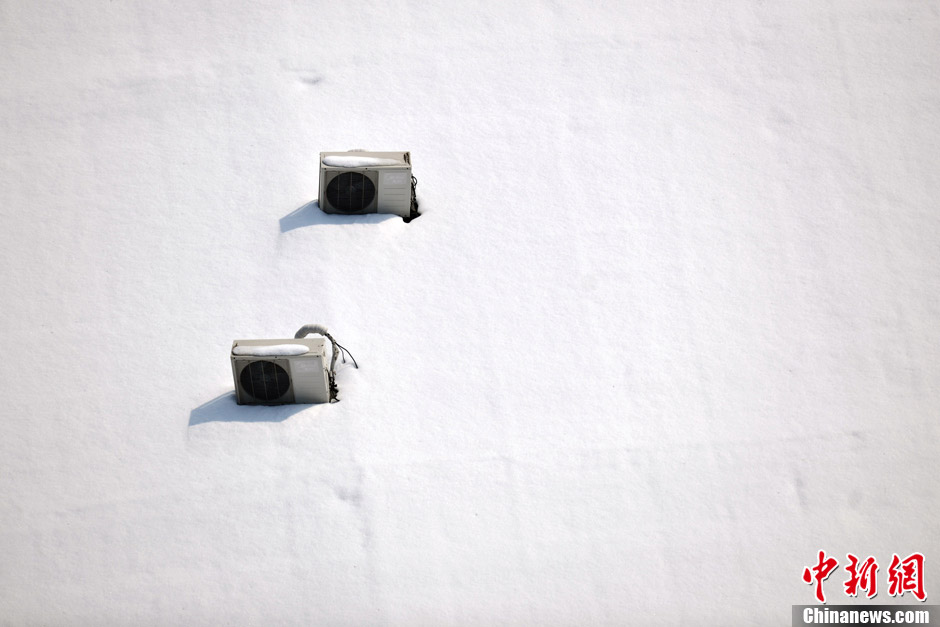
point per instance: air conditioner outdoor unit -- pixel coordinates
(275, 372)
(357, 182)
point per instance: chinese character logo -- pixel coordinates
(819, 573)
(861, 576)
(904, 575)
(907, 576)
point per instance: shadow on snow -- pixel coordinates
(224, 409)
(310, 215)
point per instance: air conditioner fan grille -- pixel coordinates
(350, 192)
(265, 380)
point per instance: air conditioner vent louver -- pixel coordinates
(350, 192)
(265, 380)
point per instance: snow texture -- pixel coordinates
(358, 162)
(667, 326)
(269, 351)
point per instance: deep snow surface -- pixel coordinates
(669, 325)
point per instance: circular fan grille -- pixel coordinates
(265, 380)
(350, 192)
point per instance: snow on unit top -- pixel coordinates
(275, 350)
(343, 161)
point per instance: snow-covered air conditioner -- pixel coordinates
(357, 182)
(274, 372)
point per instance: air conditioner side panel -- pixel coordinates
(310, 380)
(395, 191)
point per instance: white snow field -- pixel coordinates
(669, 323)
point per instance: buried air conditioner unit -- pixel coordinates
(276, 372)
(358, 182)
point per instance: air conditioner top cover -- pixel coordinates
(358, 182)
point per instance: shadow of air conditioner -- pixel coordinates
(310, 215)
(224, 409)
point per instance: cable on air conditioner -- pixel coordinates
(319, 329)
(414, 198)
